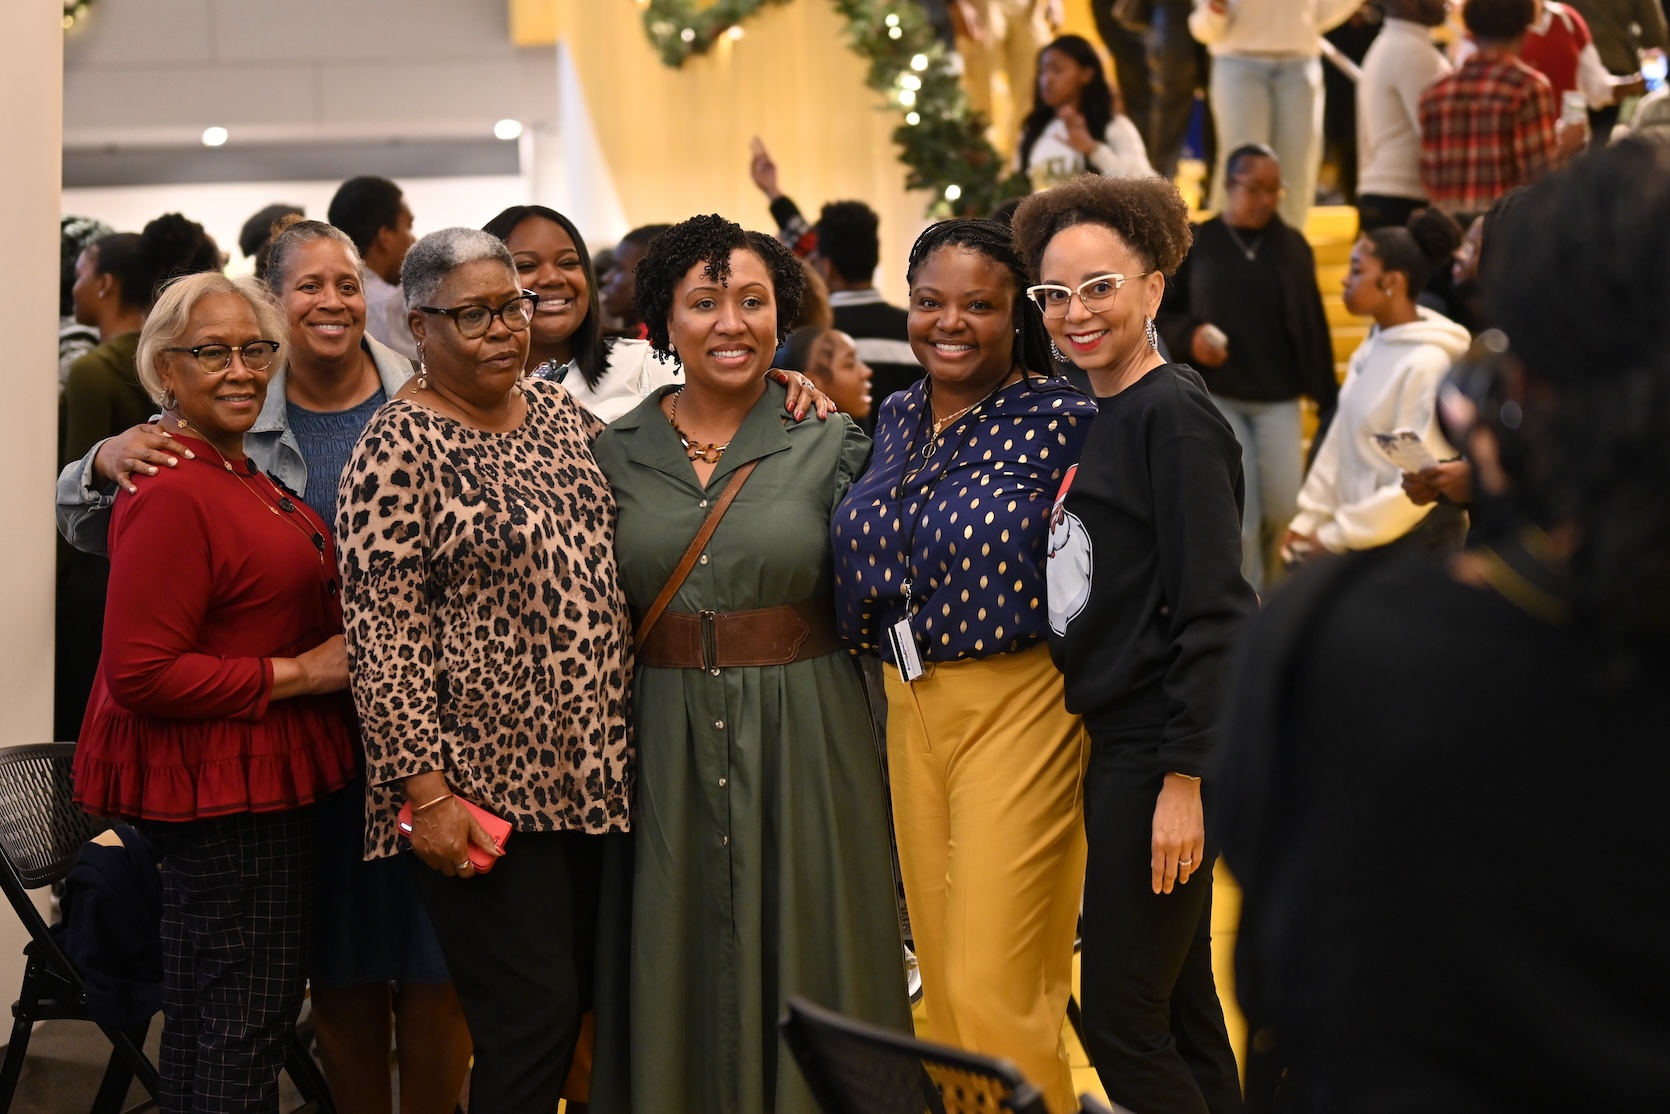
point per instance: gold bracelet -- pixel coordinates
(1181, 774)
(432, 804)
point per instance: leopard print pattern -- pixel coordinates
(487, 631)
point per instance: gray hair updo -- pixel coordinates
(438, 254)
(289, 234)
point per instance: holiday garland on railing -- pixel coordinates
(941, 140)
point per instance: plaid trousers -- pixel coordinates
(236, 897)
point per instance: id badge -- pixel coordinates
(904, 651)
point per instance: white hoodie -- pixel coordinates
(1353, 497)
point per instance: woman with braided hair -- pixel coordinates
(939, 558)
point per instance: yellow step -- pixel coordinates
(1346, 340)
(1334, 306)
(1331, 222)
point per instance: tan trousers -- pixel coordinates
(987, 776)
(1008, 55)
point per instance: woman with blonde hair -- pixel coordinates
(218, 716)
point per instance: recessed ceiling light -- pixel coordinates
(214, 137)
(508, 129)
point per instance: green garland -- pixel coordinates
(942, 141)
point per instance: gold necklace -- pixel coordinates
(693, 449)
(286, 509)
(941, 423)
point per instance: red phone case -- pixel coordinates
(496, 827)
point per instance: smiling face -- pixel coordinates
(219, 405)
(725, 335)
(322, 298)
(1110, 336)
(548, 263)
(962, 321)
(1061, 79)
(481, 370)
(840, 374)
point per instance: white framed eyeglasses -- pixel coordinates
(1096, 294)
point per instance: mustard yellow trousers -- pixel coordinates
(987, 770)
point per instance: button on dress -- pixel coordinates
(761, 857)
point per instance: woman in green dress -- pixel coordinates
(761, 859)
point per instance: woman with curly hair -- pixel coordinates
(940, 552)
(1145, 594)
(762, 864)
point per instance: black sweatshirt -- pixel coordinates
(1145, 586)
(1269, 307)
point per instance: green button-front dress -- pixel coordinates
(761, 865)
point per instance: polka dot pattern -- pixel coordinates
(972, 506)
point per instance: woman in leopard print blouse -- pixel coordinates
(488, 641)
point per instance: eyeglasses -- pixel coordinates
(1277, 192)
(212, 359)
(1094, 294)
(474, 321)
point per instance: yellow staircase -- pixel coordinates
(1331, 230)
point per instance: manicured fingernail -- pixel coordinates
(190, 455)
(171, 463)
(150, 471)
(799, 414)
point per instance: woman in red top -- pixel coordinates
(219, 710)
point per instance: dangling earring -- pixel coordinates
(1153, 334)
(168, 399)
(1056, 353)
(423, 371)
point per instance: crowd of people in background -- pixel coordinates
(552, 659)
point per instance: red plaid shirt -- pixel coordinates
(1485, 128)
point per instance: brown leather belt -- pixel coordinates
(715, 640)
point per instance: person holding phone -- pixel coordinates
(1354, 497)
(487, 636)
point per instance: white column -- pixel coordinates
(31, 126)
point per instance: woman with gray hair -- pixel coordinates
(488, 638)
(374, 955)
(217, 717)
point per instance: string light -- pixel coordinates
(919, 63)
(953, 191)
(913, 118)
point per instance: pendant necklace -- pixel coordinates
(285, 505)
(693, 449)
(1252, 252)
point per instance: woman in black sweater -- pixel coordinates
(1244, 308)
(1145, 593)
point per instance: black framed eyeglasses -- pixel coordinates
(474, 321)
(212, 359)
(1097, 294)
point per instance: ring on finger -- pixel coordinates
(464, 864)
(1185, 862)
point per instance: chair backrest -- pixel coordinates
(854, 1068)
(41, 826)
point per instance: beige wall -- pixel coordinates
(31, 105)
(676, 141)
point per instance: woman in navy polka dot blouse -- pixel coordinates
(939, 553)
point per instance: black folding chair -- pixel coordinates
(41, 831)
(854, 1068)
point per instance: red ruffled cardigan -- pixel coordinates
(208, 583)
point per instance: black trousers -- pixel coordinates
(1152, 1020)
(1177, 66)
(1129, 50)
(1379, 210)
(235, 919)
(518, 941)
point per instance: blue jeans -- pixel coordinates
(1278, 102)
(1271, 461)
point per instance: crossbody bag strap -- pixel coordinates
(697, 544)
